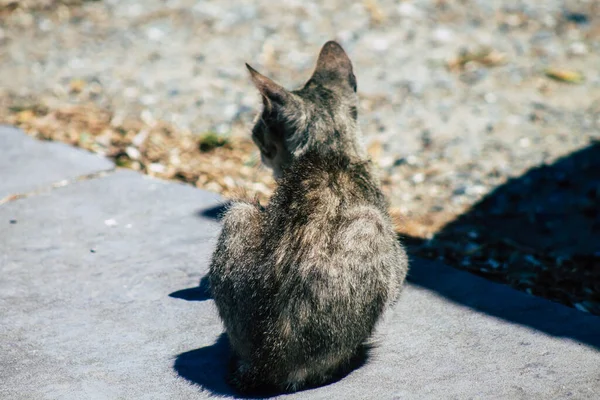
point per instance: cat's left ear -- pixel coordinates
(334, 65)
(272, 92)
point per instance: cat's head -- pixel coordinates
(321, 115)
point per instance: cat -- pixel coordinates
(301, 283)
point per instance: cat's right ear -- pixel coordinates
(272, 93)
(334, 65)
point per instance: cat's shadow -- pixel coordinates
(214, 213)
(198, 293)
(207, 366)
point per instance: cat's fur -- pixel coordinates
(301, 283)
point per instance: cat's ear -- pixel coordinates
(272, 93)
(334, 65)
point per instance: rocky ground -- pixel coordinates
(459, 99)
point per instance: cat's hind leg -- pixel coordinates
(236, 255)
(240, 236)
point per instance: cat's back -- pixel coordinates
(337, 262)
(325, 184)
(329, 213)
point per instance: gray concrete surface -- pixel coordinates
(101, 298)
(28, 164)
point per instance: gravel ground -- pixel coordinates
(457, 97)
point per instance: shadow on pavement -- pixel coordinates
(214, 213)
(207, 367)
(198, 293)
(504, 302)
(539, 233)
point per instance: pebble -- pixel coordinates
(581, 307)
(418, 178)
(147, 117)
(386, 162)
(380, 44)
(133, 153)
(442, 35)
(490, 98)
(476, 190)
(110, 222)
(149, 100)
(578, 48)
(157, 168)
(407, 9)
(231, 111)
(155, 33)
(524, 142)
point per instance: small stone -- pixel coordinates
(148, 118)
(476, 190)
(513, 119)
(46, 25)
(157, 168)
(229, 182)
(140, 138)
(230, 111)
(76, 63)
(412, 160)
(148, 99)
(346, 36)
(471, 248)
(406, 9)
(549, 21)
(513, 20)
(155, 33)
(380, 44)
(386, 161)
(578, 18)
(399, 161)
(131, 92)
(490, 98)
(418, 177)
(459, 191)
(223, 129)
(578, 49)
(442, 35)
(581, 307)
(133, 153)
(524, 142)
(12, 221)
(77, 85)
(135, 10)
(532, 259)
(110, 222)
